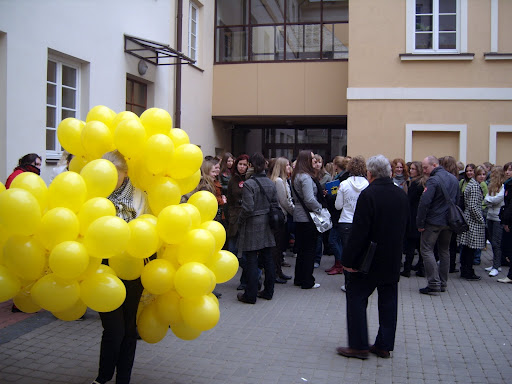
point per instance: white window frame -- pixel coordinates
(494, 129)
(461, 128)
(193, 48)
(462, 29)
(59, 61)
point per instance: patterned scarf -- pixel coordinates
(122, 198)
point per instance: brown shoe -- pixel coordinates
(349, 352)
(336, 271)
(380, 352)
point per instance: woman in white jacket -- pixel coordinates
(494, 202)
(348, 193)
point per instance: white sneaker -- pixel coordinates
(505, 280)
(315, 286)
(489, 269)
(343, 288)
(499, 269)
(493, 272)
(316, 265)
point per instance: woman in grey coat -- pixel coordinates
(256, 239)
(474, 238)
(306, 192)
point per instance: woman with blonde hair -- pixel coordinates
(210, 170)
(280, 171)
(494, 201)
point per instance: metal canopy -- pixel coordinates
(153, 52)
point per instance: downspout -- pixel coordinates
(179, 46)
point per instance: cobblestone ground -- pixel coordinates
(460, 336)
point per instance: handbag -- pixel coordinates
(456, 220)
(275, 215)
(321, 220)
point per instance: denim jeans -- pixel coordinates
(335, 242)
(437, 276)
(495, 234)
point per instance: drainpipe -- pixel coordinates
(179, 46)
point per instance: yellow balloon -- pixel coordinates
(92, 267)
(55, 294)
(214, 298)
(179, 137)
(156, 120)
(163, 193)
(100, 177)
(103, 268)
(144, 239)
(193, 279)
(169, 252)
(19, 212)
(101, 113)
(149, 326)
(224, 265)
(207, 204)
(126, 267)
(218, 232)
(23, 301)
(158, 276)
(93, 209)
(2, 187)
(149, 218)
(10, 284)
(173, 223)
(77, 163)
(96, 139)
(4, 235)
(67, 190)
(158, 151)
(25, 256)
(190, 183)
(69, 134)
(201, 312)
(168, 308)
(58, 225)
(103, 292)
(139, 175)
(186, 160)
(69, 260)
(184, 332)
(107, 237)
(129, 137)
(73, 313)
(198, 245)
(121, 116)
(195, 216)
(35, 185)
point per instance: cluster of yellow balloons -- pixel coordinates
(53, 238)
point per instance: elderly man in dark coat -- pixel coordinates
(256, 239)
(381, 216)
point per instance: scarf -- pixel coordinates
(122, 198)
(399, 180)
(28, 168)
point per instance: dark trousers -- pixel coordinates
(467, 256)
(253, 258)
(277, 251)
(119, 339)
(412, 244)
(453, 252)
(306, 237)
(506, 248)
(359, 290)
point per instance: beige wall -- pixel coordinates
(281, 89)
(377, 37)
(504, 26)
(503, 146)
(379, 127)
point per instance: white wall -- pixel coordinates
(91, 31)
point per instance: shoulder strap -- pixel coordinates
(262, 190)
(446, 196)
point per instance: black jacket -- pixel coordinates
(506, 217)
(433, 206)
(381, 215)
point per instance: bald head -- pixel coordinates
(429, 163)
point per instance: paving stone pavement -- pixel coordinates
(460, 336)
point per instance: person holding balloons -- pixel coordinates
(256, 238)
(119, 339)
(28, 163)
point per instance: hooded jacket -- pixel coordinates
(346, 198)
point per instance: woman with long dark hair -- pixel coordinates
(307, 194)
(506, 221)
(28, 163)
(227, 170)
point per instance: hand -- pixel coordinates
(224, 199)
(506, 228)
(325, 193)
(350, 269)
(421, 229)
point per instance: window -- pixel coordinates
(275, 30)
(136, 96)
(62, 100)
(436, 26)
(192, 31)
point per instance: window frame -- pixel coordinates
(59, 61)
(461, 29)
(129, 104)
(193, 47)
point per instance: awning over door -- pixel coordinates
(153, 52)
